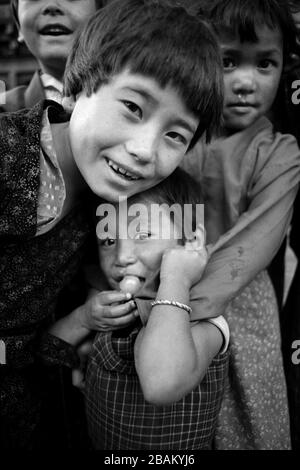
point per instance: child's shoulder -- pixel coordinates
(17, 124)
(20, 142)
(19, 158)
(272, 153)
(270, 143)
(261, 140)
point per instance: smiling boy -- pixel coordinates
(145, 132)
(48, 28)
(143, 82)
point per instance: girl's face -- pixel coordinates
(48, 28)
(139, 250)
(252, 72)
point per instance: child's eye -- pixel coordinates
(228, 63)
(177, 137)
(143, 236)
(266, 64)
(133, 108)
(107, 242)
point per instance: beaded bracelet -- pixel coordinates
(174, 303)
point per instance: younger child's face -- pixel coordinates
(139, 252)
(129, 135)
(252, 73)
(48, 28)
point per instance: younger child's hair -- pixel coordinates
(178, 189)
(294, 6)
(151, 38)
(242, 18)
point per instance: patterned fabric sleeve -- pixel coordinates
(54, 351)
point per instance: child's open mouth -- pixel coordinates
(55, 30)
(122, 172)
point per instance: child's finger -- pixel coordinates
(120, 310)
(110, 297)
(115, 323)
(200, 237)
(197, 243)
(78, 378)
(83, 351)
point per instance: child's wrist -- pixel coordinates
(176, 282)
(80, 318)
(70, 328)
(172, 289)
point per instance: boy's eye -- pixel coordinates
(228, 63)
(133, 108)
(107, 242)
(177, 137)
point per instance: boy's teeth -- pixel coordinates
(121, 171)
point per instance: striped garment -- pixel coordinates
(118, 416)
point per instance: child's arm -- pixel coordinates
(242, 252)
(171, 355)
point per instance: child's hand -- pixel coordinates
(186, 262)
(109, 310)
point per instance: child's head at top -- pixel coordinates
(48, 28)
(133, 243)
(256, 38)
(143, 82)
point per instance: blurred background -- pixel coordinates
(16, 63)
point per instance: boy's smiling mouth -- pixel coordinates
(122, 172)
(55, 30)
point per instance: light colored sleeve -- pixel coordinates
(250, 245)
(222, 324)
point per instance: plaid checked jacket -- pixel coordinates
(118, 416)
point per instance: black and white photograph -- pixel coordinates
(149, 239)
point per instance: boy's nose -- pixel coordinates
(143, 146)
(126, 252)
(52, 7)
(244, 82)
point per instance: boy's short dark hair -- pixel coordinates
(242, 17)
(155, 39)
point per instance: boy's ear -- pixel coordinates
(68, 103)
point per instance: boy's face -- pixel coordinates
(48, 28)
(129, 135)
(138, 251)
(252, 73)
